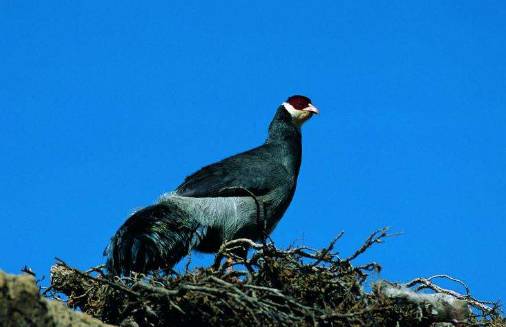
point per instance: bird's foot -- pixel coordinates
(229, 264)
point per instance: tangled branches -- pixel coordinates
(271, 287)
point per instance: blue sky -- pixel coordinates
(104, 106)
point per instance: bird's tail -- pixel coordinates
(155, 237)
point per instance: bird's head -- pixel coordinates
(300, 108)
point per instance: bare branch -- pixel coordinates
(299, 286)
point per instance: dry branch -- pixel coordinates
(298, 286)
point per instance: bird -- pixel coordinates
(242, 196)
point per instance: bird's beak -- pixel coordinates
(312, 109)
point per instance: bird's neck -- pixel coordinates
(285, 137)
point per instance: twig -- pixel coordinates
(376, 237)
(98, 280)
(327, 250)
(426, 283)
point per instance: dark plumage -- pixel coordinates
(244, 195)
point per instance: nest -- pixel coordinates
(298, 286)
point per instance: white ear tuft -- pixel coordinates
(298, 116)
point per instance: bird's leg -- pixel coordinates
(236, 254)
(264, 227)
(228, 264)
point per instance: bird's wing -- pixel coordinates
(252, 172)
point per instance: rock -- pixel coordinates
(22, 305)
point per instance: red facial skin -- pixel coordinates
(299, 102)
